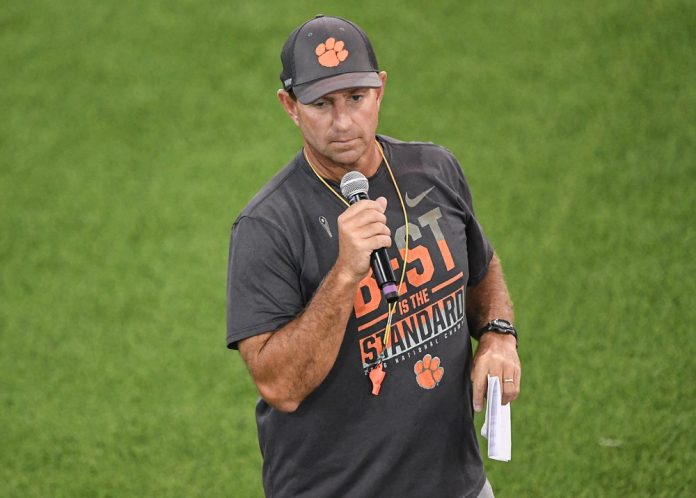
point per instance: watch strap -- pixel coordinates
(498, 326)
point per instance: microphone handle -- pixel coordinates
(381, 265)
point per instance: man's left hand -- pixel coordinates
(496, 356)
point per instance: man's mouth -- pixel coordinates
(345, 141)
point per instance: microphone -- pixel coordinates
(354, 187)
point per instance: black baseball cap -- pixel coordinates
(326, 54)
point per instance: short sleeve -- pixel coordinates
(479, 249)
(263, 291)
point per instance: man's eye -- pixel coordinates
(357, 97)
(319, 104)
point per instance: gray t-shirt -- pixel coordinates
(417, 438)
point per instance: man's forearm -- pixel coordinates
(489, 299)
(496, 354)
(290, 363)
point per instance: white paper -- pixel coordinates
(496, 427)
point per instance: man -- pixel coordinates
(306, 314)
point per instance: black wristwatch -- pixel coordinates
(499, 326)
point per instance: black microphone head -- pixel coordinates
(354, 183)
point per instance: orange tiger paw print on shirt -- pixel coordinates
(428, 372)
(331, 53)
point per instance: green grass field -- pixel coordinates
(132, 134)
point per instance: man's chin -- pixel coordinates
(349, 161)
(347, 154)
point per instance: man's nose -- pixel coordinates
(341, 118)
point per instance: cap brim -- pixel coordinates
(309, 92)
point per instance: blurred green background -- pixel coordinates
(132, 134)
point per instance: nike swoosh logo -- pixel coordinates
(416, 200)
(326, 226)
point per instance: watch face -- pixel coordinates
(502, 323)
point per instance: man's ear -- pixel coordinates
(288, 104)
(380, 91)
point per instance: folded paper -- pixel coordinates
(496, 427)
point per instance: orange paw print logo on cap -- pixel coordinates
(331, 53)
(428, 372)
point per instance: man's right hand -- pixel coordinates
(362, 228)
